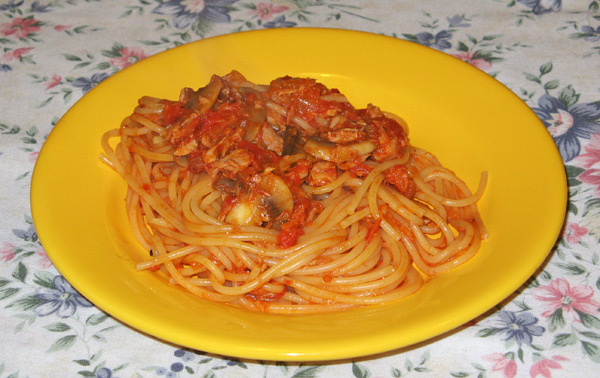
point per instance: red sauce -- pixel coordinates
(360, 170)
(400, 177)
(237, 120)
(289, 234)
(263, 157)
(303, 98)
(219, 123)
(171, 111)
(373, 229)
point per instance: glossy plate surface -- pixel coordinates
(466, 118)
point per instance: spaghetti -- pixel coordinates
(284, 198)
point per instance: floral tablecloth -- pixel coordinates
(546, 51)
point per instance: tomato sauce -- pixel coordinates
(241, 138)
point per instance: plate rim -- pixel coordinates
(34, 194)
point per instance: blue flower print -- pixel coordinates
(184, 355)
(104, 373)
(175, 367)
(568, 123)
(27, 235)
(11, 5)
(279, 22)
(62, 299)
(86, 84)
(37, 7)
(539, 7)
(520, 327)
(438, 41)
(457, 20)
(5, 68)
(187, 12)
(590, 34)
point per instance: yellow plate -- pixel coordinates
(465, 117)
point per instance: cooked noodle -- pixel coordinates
(286, 199)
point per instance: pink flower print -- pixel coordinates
(7, 252)
(20, 27)
(16, 54)
(575, 232)
(591, 157)
(592, 177)
(543, 366)
(54, 81)
(128, 57)
(560, 294)
(33, 156)
(468, 57)
(591, 161)
(44, 261)
(503, 364)
(61, 28)
(266, 11)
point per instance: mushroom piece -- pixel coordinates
(271, 198)
(338, 153)
(204, 98)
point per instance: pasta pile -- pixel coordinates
(284, 198)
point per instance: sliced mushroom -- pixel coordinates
(204, 98)
(264, 205)
(280, 194)
(338, 153)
